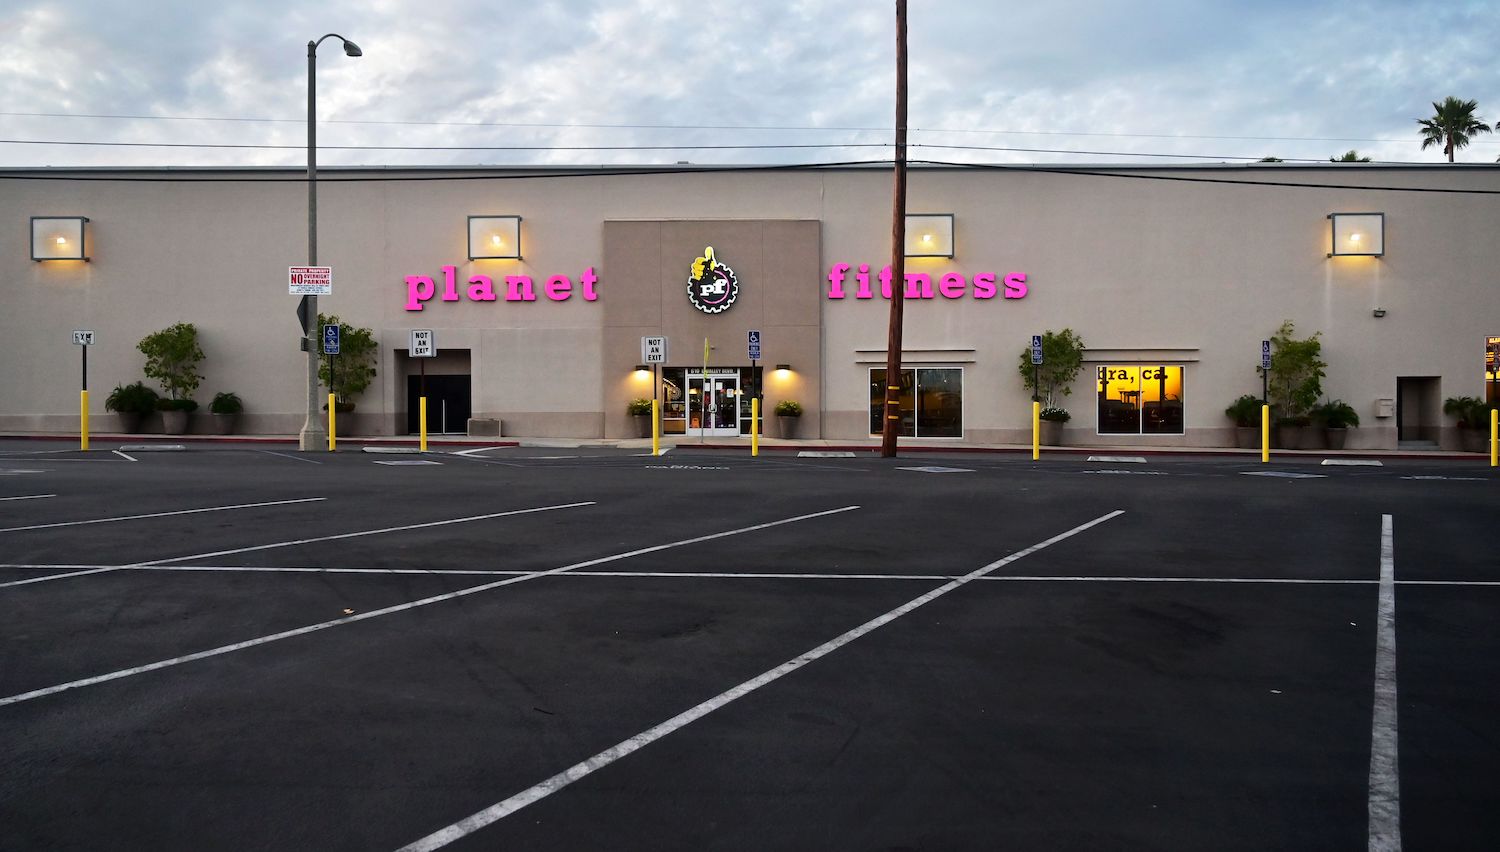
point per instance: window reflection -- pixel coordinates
(930, 402)
(1140, 400)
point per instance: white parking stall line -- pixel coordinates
(536, 793)
(1385, 782)
(338, 622)
(287, 456)
(161, 514)
(28, 497)
(124, 456)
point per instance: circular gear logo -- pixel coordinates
(712, 287)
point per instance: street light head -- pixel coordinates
(352, 49)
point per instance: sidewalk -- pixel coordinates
(443, 443)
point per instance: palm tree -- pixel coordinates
(1350, 156)
(1451, 125)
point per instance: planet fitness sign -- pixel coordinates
(712, 286)
(481, 288)
(921, 285)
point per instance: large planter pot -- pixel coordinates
(343, 423)
(1289, 437)
(1335, 437)
(130, 422)
(1312, 438)
(174, 422)
(642, 425)
(1051, 432)
(1474, 440)
(225, 424)
(1247, 437)
(787, 426)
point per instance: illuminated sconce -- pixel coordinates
(783, 368)
(494, 238)
(1357, 234)
(929, 235)
(58, 238)
(642, 368)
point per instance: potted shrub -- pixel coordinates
(1337, 417)
(1245, 412)
(226, 409)
(132, 402)
(1062, 359)
(640, 409)
(788, 414)
(1051, 426)
(172, 358)
(1294, 384)
(350, 372)
(1473, 421)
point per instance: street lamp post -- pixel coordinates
(313, 436)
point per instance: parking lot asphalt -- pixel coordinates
(239, 648)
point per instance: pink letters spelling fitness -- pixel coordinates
(481, 288)
(919, 285)
(560, 288)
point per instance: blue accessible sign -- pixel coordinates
(330, 340)
(754, 345)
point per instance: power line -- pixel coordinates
(798, 128)
(604, 171)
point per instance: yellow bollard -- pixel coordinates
(333, 414)
(422, 421)
(754, 427)
(83, 419)
(655, 427)
(1495, 437)
(1265, 434)
(1036, 430)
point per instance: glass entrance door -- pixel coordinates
(713, 404)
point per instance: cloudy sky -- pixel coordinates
(598, 81)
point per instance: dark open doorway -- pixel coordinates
(448, 404)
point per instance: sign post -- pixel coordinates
(1265, 370)
(753, 344)
(422, 346)
(1036, 397)
(654, 353)
(83, 338)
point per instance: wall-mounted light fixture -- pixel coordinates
(783, 368)
(1357, 234)
(1379, 312)
(642, 368)
(929, 235)
(59, 238)
(494, 238)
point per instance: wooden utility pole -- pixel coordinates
(892, 423)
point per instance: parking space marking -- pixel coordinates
(28, 497)
(1385, 784)
(161, 514)
(124, 456)
(536, 793)
(337, 622)
(288, 456)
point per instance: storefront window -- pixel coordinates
(930, 402)
(1140, 400)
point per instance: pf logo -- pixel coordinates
(712, 287)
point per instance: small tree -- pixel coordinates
(1349, 156)
(172, 357)
(354, 366)
(1296, 376)
(1062, 359)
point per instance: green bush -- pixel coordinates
(1244, 411)
(1471, 411)
(226, 403)
(353, 367)
(172, 357)
(1295, 379)
(1062, 358)
(638, 406)
(1336, 414)
(788, 408)
(166, 404)
(134, 398)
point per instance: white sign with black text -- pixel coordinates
(423, 344)
(83, 337)
(654, 350)
(309, 280)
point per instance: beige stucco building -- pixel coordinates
(1171, 276)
